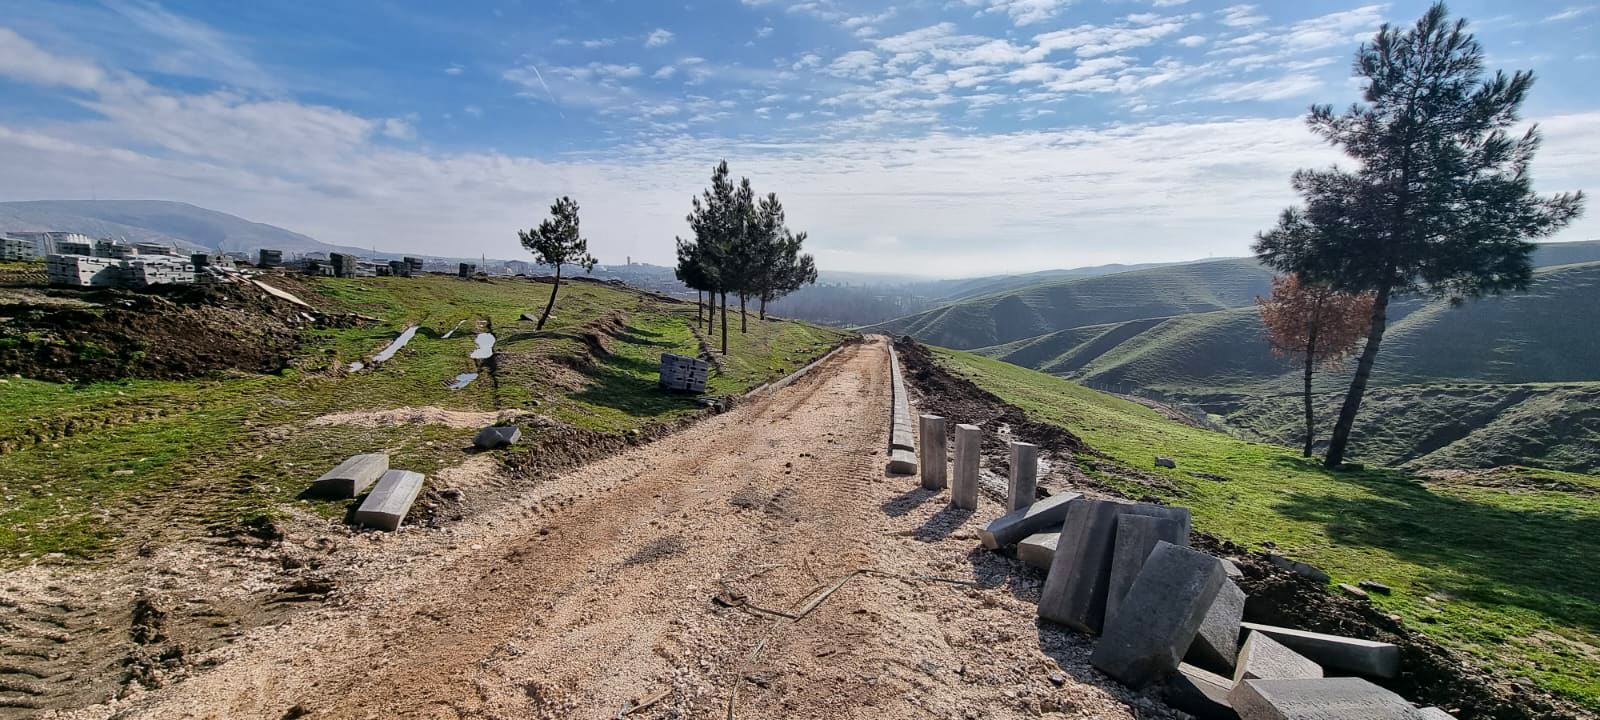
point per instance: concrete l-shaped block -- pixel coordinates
(386, 506)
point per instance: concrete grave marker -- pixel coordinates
(964, 486)
(1024, 480)
(352, 476)
(1017, 525)
(1157, 621)
(1342, 698)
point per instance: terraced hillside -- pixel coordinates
(1027, 312)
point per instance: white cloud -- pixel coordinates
(657, 38)
(1091, 40)
(599, 43)
(665, 72)
(808, 60)
(1168, 3)
(764, 32)
(21, 60)
(1023, 12)
(399, 129)
(1192, 40)
(1241, 16)
(1282, 88)
(454, 69)
(1571, 13)
(856, 63)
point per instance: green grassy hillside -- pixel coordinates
(82, 466)
(1039, 309)
(1483, 563)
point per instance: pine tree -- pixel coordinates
(692, 273)
(1440, 201)
(557, 242)
(717, 222)
(1315, 324)
(790, 270)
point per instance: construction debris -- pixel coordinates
(497, 436)
(1146, 638)
(1322, 699)
(1362, 657)
(351, 477)
(386, 506)
(1263, 658)
(1017, 525)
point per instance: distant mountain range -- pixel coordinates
(185, 226)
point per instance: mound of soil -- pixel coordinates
(1431, 673)
(173, 332)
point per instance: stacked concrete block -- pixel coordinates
(269, 258)
(1145, 641)
(1023, 483)
(1343, 698)
(1216, 645)
(1360, 657)
(83, 271)
(1136, 536)
(497, 436)
(466, 270)
(349, 478)
(684, 373)
(1038, 550)
(386, 506)
(964, 484)
(1263, 658)
(1017, 525)
(935, 460)
(1080, 575)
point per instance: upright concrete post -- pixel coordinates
(1024, 475)
(933, 459)
(969, 445)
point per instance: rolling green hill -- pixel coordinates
(1039, 309)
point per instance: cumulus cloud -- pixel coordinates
(657, 38)
(1023, 12)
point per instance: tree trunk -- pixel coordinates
(744, 321)
(1310, 418)
(724, 322)
(1358, 384)
(763, 307)
(699, 307)
(547, 306)
(711, 310)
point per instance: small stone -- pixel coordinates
(497, 436)
(1299, 568)
(1165, 462)
(1375, 586)
(1058, 679)
(1353, 591)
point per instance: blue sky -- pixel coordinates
(943, 137)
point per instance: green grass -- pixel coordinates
(80, 461)
(1506, 565)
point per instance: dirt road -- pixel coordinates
(623, 581)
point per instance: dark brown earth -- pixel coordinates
(169, 333)
(1432, 674)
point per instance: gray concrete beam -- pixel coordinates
(1216, 645)
(386, 506)
(1361, 657)
(1075, 590)
(1200, 693)
(1263, 658)
(1017, 525)
(902, 461)
(1038, 549)
(935, 460)
(1344, 698)
(1136, 536)
(1145, 640)
(351, 477)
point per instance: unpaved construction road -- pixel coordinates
(622, 582)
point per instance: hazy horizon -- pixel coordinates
(949, 139)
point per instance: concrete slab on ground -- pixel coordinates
(1038, 549)
(386, 506)
(1360, 657)
(1015, 526)
(1136, 536)
(1075, 590)
(1200, 693)
(1216, 645)
(1344, 698)
(353, 476)
(902, 462)
(1262, 658)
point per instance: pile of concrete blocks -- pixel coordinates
(902, 441)
(393, 491)
(1172, 616)
(684, 373)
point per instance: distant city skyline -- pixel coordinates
(937, 138)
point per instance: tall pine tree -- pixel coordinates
(1440, 200)
(557, 242)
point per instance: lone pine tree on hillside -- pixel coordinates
(1316, 324)
(1440, 200)
(692, 273)
(557, 242)
(714, 220)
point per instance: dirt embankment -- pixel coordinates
(1432, 674)
(169, 333)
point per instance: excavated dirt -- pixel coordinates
(427, 415)
(1432, 674)
(657, 577)
(166, 332)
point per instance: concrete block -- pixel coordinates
(902, 438)
(1343, 698)
(1146, 639)
(1433, 713)
(1017, 525)
(902, 461)
(1136, 536)
(1375, 586)
(1165, 462)
(1263, 658)
(964, 485)
(1232, 569)
(1353, 591)
(497, 436)
(1024, 480)
(1310, 572)
(1216, 644)
(386, 506)
(1038, 549)
(1361, 657)
(1075, 590)
(1200, 693)
(935, 461)
(351, 477)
